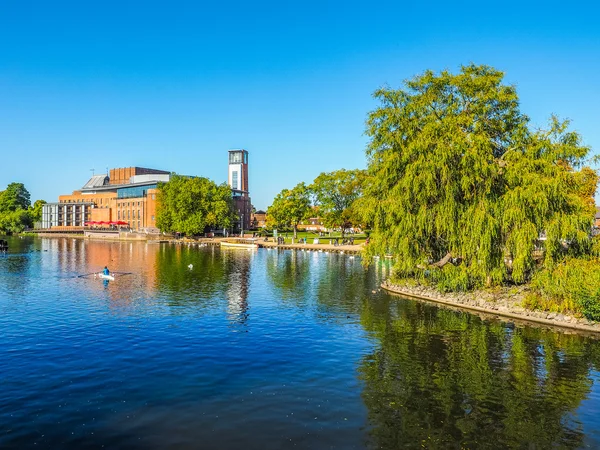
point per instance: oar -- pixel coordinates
(87, 274)
(121, 273)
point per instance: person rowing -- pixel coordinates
(106, 272)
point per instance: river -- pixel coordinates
(268, 349)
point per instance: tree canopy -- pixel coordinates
(14, 197)
(335, 194)
(192, 205)
(16, 213)
(457, 175)
(290, 207)
(36, 210)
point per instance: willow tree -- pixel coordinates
(460, 188)
(191, 205)
(290, 207)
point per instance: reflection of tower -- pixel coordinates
(238, 182)
(237, 289)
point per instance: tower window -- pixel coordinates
(234, 179)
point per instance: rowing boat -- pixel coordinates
(106, 277)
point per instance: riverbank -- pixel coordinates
(505, 302)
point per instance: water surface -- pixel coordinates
(267, 349)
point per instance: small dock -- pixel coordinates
(325, 248)
(272, 244)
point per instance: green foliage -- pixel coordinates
(15, 215)
(14, 197)
(335, 194)
(289, 208)
(453, 278)
(36, 210)
(570, 286)
(14, 221)
(454, 170)
(191, 205)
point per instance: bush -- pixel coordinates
(573, 285)
(452, 278)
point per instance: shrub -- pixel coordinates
(573, 285)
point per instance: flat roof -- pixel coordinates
(114, 187)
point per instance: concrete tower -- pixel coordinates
(238, 170)
(238, 182)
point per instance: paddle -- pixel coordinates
(87, 274)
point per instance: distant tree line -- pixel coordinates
(16, 211)
(331, 197)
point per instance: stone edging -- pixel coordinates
(521, 314)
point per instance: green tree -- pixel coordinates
(36, 210)
(14, 197)
(290, 207)
(14, 221)
(335, 194)
(455, 175)
(191, 205)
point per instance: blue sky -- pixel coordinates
(174, 85)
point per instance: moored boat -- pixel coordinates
(240, 243)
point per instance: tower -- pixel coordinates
(238, 170)
(238, 182)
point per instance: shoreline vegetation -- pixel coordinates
(506, 302)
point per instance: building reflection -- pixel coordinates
(238, 285)
(132, 263)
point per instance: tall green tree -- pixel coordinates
(14, 205)
(36, 210)
(192, 205)
(290, 207)
(335, 194)
(457, 176)
(14, 197)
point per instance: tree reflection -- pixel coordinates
(289, 272)
(183, 285)
(15, 264)
(445, 379)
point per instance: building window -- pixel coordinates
(128, 214)
(152, 218)
(234, 179)
(118, 215)
(153, 196)
(138, 213)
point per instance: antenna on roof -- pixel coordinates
(92, 172)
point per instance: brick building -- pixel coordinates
(126, 195)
